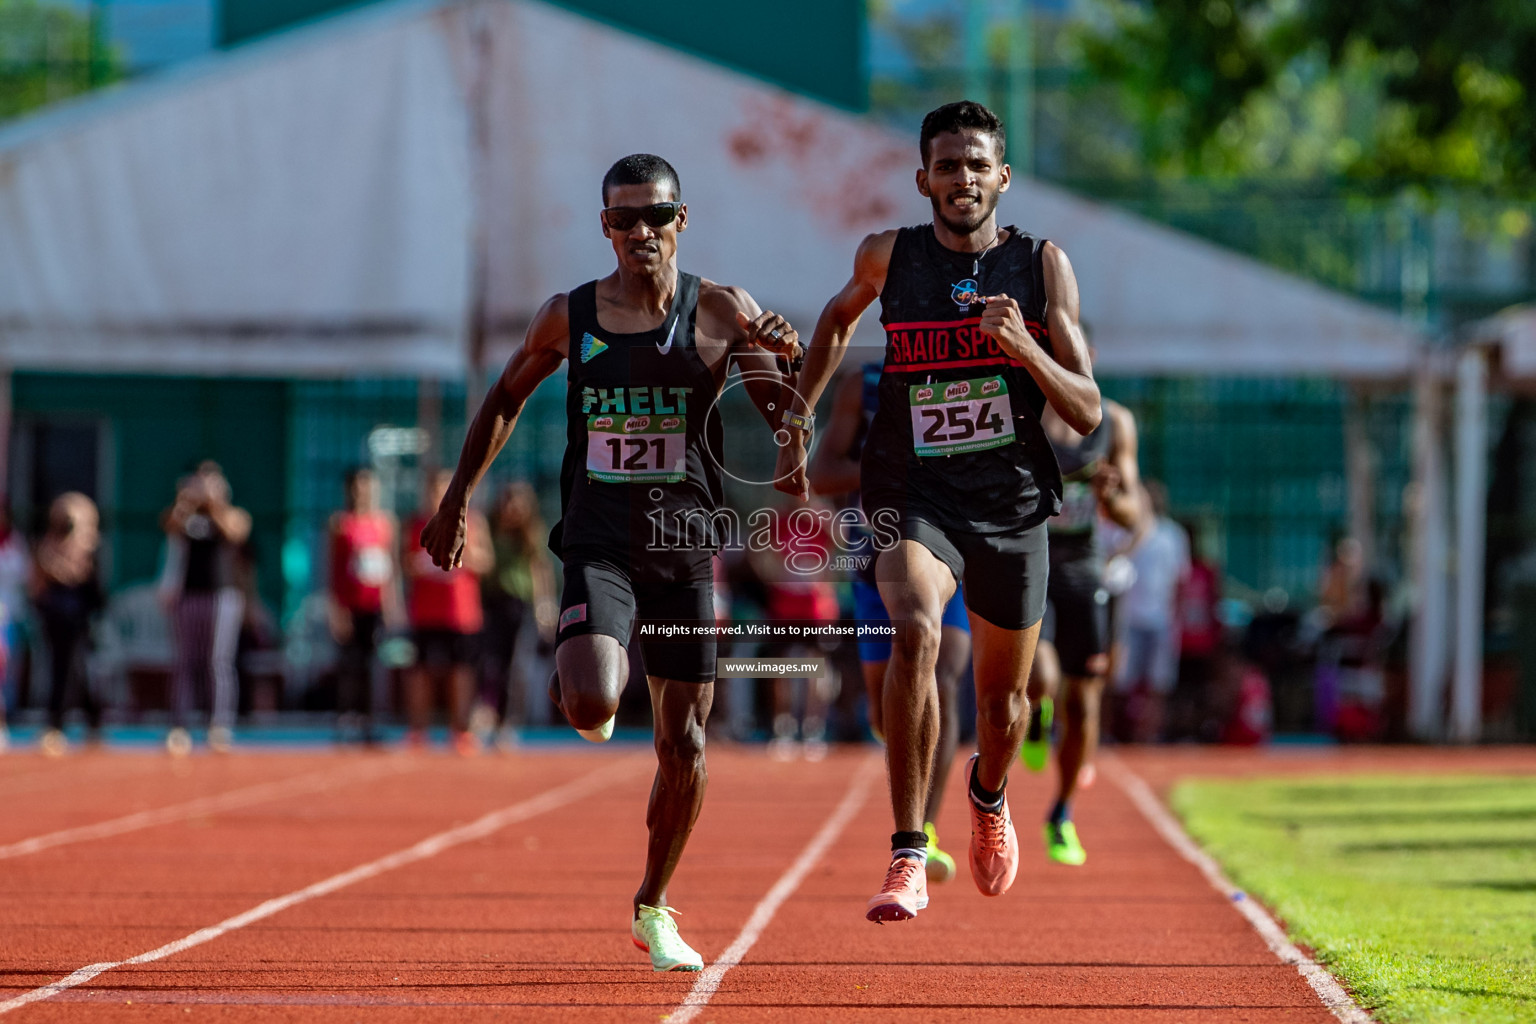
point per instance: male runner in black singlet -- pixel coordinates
(981, 332)
(834, 471)
(1099, 476)
(648, 349)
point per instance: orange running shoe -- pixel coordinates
(994, 845)
(904, 893)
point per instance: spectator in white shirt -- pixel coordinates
(1150, 665)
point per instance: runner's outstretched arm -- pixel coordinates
(833, 329)
(1066, 379)
(754, 349)
(541, 353)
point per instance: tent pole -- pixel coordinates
(1428, 647)
(479, 258)
(429, 420)
(5, 430)
(1471, 541)
(1360, 474)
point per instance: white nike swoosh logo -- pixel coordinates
(664, 349)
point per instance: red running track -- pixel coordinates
(530, 920)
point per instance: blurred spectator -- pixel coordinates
(446, 619)
(1348, 687)
(739, 597)
(204, 532)
(1341, 593)
(365, 597)
(1191, 712)
(521, 583)
(800, 593)
(260, 663)
(66, 591)
(1252, 716)
(15, 567)
(1150, 666)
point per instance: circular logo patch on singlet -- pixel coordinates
(965, 293)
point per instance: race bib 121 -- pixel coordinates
(636, 449)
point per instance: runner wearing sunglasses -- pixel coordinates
(982, 332)
(646, 351)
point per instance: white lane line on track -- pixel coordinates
(235, 798)
(709, 980)
(1332, 994)
(545, 802)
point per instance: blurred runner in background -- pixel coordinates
(1099, 478)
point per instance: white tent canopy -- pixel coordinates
(306, 206)
(1513, 334)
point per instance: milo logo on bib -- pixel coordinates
(635, 423)
(970, 416)
(603, 422)
(671, 423)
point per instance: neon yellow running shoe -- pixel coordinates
(941, 866)
(1061, 844)
(602, 734)
(1037, 739)
(655, 932)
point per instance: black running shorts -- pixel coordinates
(601, 597)
(1004, 573)
(1077, 621)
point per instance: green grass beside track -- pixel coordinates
(1419, 892)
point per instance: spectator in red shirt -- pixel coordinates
(446, 619)
(1192, 706)
(365, 595)
(801, 594)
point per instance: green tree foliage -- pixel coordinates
(48, 52)
(1385, 92)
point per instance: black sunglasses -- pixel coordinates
(657, 215)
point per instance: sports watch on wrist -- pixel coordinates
(797, 421)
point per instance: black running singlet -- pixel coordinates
(957, 433)
(1074, 530)
(638, 485)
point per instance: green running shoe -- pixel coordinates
(655, 932)
(941, 866)
(1062, 845)
(602, 734)
(1037, 738)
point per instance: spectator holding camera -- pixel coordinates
(204, 532)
